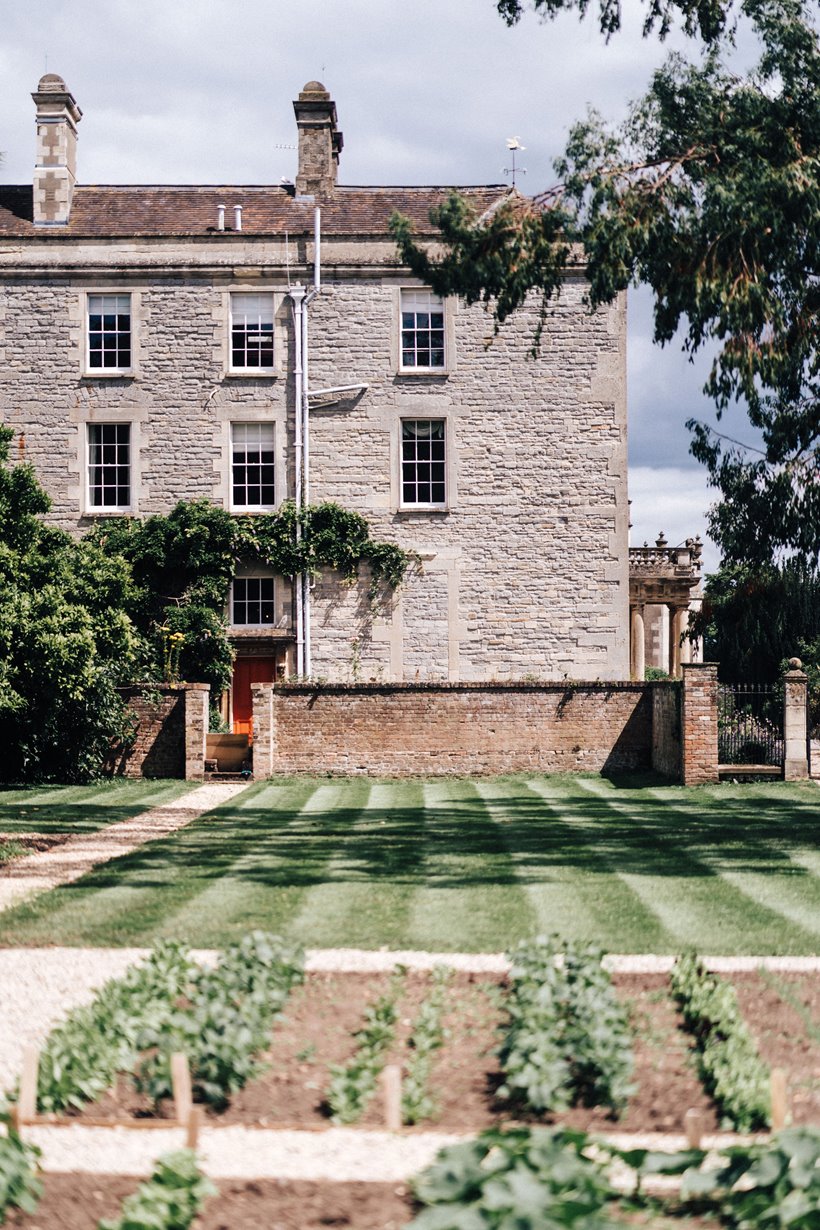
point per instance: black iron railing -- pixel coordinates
(750, 724)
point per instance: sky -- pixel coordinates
(201, 91)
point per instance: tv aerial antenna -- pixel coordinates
(514, 146)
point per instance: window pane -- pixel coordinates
(109, 469)
(109, 331)
(252, 470)
(423, 462)
(252, 331)
(422, 322)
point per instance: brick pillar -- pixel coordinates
(699, 724)
(263, 729)
(196, 698)
(795, 695)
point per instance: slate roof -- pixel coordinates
(109, 212)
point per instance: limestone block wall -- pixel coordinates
(524, 576)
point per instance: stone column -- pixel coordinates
(637, 649)
(263, 729)
(795, 734)
(686, 645)
(699, 724)
(675, 628)
(196, 698)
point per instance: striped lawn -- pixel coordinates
(82, 809)
(470, 865)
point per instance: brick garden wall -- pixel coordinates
(666, 729)
(170, 723)
(406, 729)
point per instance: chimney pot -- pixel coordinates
(320, 142)
(55, 168)
(237, 217)
(220, 217)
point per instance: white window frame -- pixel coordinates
(254, 576)
(117, 509)
(423, 295)
(249, 369)
(418, 505)
(105, 372)
(243, 425)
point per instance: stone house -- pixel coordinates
(165, 343)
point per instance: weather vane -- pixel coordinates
(514, 145)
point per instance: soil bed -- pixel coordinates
(323, 1014)
(79, 1201)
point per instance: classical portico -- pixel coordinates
(664, 583)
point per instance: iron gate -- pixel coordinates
(750, 724)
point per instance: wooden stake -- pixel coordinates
(194, 1124)
(27, 1102)
(780, 1099)
(391, 1088)
(694, 1127)
(181, 1085)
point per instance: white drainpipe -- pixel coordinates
(301, 301)
(297, 294)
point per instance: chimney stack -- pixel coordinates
(320, 141)
(55, 171)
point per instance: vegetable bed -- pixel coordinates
(457, 1088)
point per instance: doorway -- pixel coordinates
(245, 672)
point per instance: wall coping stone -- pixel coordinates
(385, 689)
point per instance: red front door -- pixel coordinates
(245, 672)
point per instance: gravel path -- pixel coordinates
(237, 1152)
(35, 873)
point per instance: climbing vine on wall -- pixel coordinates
(182, 564)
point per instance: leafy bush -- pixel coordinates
(427, 1037)
(568, 1040)
(535, 1179)
(169, 1200)
(731, 1069)
(84, 1054)
(226, 1022)
(772, 1185)
(65, 641)
(352, 1085)
(219, 1018)
(20, 1187)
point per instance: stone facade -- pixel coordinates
(522, 571)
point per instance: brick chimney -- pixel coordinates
(320, 141)
(55, 170)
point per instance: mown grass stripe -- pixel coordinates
(701, 900)
(129, 899)
(272, 873)
(370, 880)
(470, 886)
(82, 809)
(567, 877)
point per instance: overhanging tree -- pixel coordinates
(709, 194)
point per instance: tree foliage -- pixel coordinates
(707, 18)
(709, 194)
(65, 640)
(753, 621)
